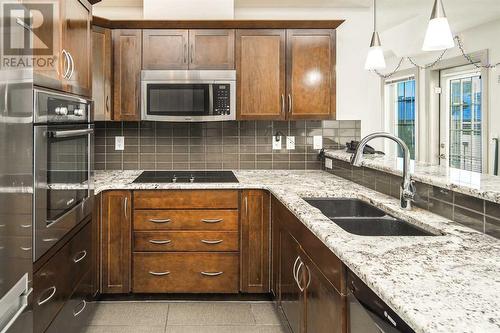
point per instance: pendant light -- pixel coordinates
(375, 58)
(438, 36)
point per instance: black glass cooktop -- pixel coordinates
(186, 177)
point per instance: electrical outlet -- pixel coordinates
(328, 163)
(119, 143)
(317, 142)
(290, 142)
(277, 142)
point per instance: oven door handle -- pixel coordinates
(71, 133)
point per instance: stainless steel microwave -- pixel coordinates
(188, 95)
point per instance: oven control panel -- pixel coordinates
(222, 99)
(51, 107)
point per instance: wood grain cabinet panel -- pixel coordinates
(311, 74)
(77, 41)
(127, 49)
(255, 239)
(193, 219)
(211, 49)
(165, 49)
(187, 241)
(116, 241)
(186, 199)
(260, 68)
(102, 73)
(197, 272)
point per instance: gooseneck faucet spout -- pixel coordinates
(407, 192)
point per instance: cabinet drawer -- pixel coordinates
(80, 256)
(185, 199)
(185, 272)
(220, 220)
(186, 241)
(77, 311)
(51, 288)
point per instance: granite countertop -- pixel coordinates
(448, 283)
(476, 184)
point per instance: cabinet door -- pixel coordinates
(77, 42)
(325, 306)
(96, 245)
(102, 74)
(291, 297)
(116, 241)
(127, 46)
(311, 74)
(211, 49)
(260, 70)
(165, 49)
(255, 254)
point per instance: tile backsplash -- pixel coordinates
(217, 145)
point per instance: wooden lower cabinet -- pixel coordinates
(116, 241)
(255, 220)
(310, 293)
(185, 272)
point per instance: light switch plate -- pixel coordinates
(277, 142)
(328, 163)
(119, 143)
(317, 142)
(290, 142)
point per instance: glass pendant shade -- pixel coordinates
(438, 36)
(375, 58)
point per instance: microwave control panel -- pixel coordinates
(222, 99)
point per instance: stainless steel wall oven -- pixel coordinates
(63, 173)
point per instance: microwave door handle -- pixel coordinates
(71, 133)
(211, 99)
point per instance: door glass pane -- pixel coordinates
(465, 142)
(405, 115)
(178, 99)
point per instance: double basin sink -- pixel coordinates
(360, 218)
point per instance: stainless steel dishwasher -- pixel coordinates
(368, 313)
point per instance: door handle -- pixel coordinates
(211, 273)
(80, 256)
(289, 103)
(67, 65)
(159, 273)
(125, 204)
(160, 220)
(72, 65)
(107, 103)
(160, 242)
(282, 103)
(53, 290)
(212, 242)
(185, 53)
(191, 53)
(77, 313)
(212, 220)
(298, 272)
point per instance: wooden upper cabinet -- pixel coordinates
(311, 74)
(211, 49)
(260, 68)
(165, 49)
(127, 49)
(116, 236)
(255, 237)
(77, 42)
(102, 75)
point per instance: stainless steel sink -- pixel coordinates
(360, 218)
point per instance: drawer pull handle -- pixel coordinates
(212, 242)
(48, 298)
(160, 242)
(77, 313)
(160, 220)
(212, 220)
(80, 256)
(159, 273)
(212, 273)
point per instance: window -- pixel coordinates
(400, 105)
(465, 123)
(462, 133)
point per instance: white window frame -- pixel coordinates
(388, 118)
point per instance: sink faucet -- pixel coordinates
(407, 192)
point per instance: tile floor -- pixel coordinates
(185, 317)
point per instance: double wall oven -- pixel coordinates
(63, 174)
